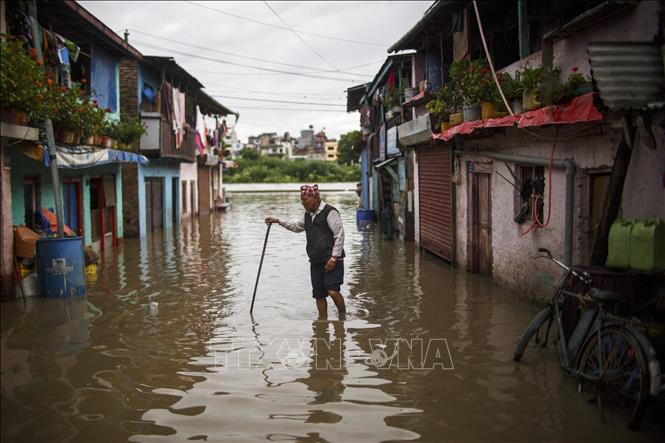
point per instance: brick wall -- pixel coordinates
(129, 79)
(130, 199)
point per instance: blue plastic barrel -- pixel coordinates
(60, 266)
(364, 217)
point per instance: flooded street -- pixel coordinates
(164, 348)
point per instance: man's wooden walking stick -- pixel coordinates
(260, 265)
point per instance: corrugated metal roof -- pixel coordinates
(629, 75)
(432, 21)
(353, 96)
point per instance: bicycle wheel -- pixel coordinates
(613, 371)
(530, 331)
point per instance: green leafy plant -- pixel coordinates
(394, 98)
(126, 131)
(447, 101)
(558, 93)
(474, 80)
(511, 86)
(532, 78)
(21, 79)
(73, 110)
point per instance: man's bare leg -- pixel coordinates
(322, 306)
(339, 301)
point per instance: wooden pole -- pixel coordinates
(265, 242)
(614, 194)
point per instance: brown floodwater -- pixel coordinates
(164, 349)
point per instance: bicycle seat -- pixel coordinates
(605, 296)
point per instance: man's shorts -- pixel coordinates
(323, 281)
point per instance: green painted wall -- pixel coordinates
(23, 166)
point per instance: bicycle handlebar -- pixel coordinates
(585, 277)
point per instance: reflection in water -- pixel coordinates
(164, 348)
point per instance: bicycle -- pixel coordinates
(611, 358)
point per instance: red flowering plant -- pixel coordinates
(76, 112)
(474, 80)
(21, 79)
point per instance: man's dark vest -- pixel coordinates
(320, 239)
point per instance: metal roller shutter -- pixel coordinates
(436, 202)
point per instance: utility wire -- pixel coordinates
(276, 101)
(281, 27)
(214, 88)
(288, 109)
(302, 74)
(242, 56)
(299, 37)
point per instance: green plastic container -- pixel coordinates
(618, 244)
(647, 245)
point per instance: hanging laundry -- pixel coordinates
(178, 99)
(166, 95)
(391, 81)
(201, 142)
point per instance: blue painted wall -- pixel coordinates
(104, 79)
(364, 178)
(23, 166)
(166, 169)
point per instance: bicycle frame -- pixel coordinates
(557, 301)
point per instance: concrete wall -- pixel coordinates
(512, 251)
(637, 24)
(6, 232)
(643, 192)
(166, 169)
(189, 173)
(23, 166)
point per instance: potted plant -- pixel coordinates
(93, 120)
(575, 84)
(454, 99)
(70, 110)
(392, 102)
(438, 110)
(126, 132)
(472, 78)
(532, 83)
(512, 89)
(21, 81)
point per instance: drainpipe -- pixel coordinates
(568, 165)
(523, 28)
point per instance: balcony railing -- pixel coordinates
(159, 139)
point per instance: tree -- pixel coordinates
(249, 154)
(345, 152)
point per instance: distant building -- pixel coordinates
(331, 150)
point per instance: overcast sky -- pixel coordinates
(226, 30)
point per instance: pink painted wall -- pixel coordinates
(6, 230)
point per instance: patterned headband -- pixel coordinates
(309, 191)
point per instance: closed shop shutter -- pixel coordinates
(436, 202)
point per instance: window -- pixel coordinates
(532, 193)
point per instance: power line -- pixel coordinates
(302, 74)
(299, 37)
(242, 56)
(276, 101)
(214, 87)
(281, 27)
(288, 109)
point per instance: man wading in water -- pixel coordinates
(325, 247)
